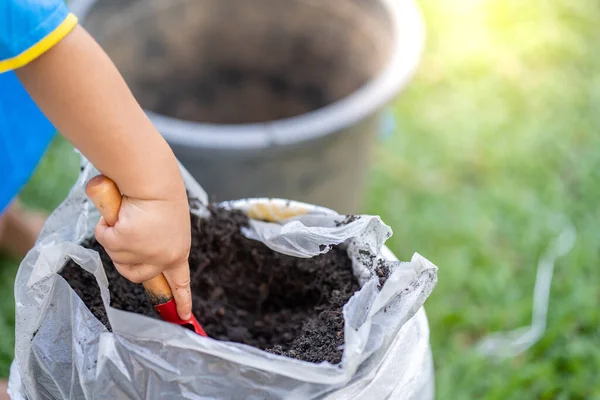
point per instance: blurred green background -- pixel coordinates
(497, 135)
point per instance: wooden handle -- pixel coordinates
(105, 195)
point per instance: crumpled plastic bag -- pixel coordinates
(63, 351)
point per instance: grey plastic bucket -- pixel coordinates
(265, 98)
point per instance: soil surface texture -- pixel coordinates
(245, 292)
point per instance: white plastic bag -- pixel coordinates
(63, 351)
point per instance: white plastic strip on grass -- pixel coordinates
(512, 343)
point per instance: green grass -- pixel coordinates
(498, 135)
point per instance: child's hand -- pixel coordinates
(79, 89)
(150, 237)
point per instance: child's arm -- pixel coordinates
(79, 89)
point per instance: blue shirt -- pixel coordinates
(28, 28)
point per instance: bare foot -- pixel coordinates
(3, 390)
(19, 230)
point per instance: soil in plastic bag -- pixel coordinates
(245, 292)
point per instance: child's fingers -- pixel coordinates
(137, 273)
(179, 281)
(127, 257)
(107, 237)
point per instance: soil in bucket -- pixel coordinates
(245, 292)
(243, 62)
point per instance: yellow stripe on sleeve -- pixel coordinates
(40, 47)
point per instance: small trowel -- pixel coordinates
(105, 195)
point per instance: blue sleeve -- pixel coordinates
(28, 28)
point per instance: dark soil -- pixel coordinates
(233, 95)
(244, 292)
(383, 272)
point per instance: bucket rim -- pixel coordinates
(408, 43)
